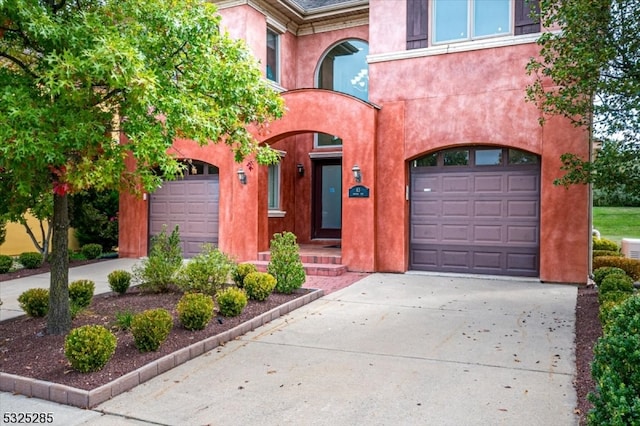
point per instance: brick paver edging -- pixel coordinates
(68, 395)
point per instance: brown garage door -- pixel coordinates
(192, 204)
(476, 210)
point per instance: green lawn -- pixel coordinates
(616, 223)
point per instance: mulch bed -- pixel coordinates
(26, 350)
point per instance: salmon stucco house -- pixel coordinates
(407, 143)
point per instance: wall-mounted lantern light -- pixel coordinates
(300, 169)
(242, 177)
(357, 175)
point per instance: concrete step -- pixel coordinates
(325, 259)
(311, 268)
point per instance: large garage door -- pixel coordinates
(476, 210)
(192, 204)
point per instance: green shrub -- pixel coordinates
(600, 273)
(30, 259)
(241, 271)
(35, 302)
(91, 251)
(157, 272)
(285, 264)
(124, 320)
(195, 310)
(150, 328)
(630, 266)
(89, 348)
(231, 301)
(608, 301)
(207, 272)
(6, 262)
(94, 217)
(616, 368)
(119, 281)
(599, 253)
(259, 285)
(81, 292)
(615, 282)
(605, 244)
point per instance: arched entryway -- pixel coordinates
(353, 121)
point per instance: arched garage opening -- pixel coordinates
(475, 209)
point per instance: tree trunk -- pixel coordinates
(59, 316)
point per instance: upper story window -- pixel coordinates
(431, 22)
(344, 69)
(455, 20)
(273, 55)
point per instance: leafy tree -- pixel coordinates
(77, 76)
(589, 72)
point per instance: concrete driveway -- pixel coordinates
(391, 349)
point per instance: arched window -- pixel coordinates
(344, 69)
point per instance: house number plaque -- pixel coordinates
(359, 191)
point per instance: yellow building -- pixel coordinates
(18, 241)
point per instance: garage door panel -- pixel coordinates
(487, 209)
(455, 208)
(487, 234)
(523, 183)
(424, 256)
(424, 233)
(523, 209)
(526, 263)
(489, 183)
(488, 260)
(517, 234)
(456, 184)
(428, 208)
(455, 258)
(455, 232)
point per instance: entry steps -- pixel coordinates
(325, 265)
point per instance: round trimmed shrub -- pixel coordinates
(6, 262)
(285, 264)
(630, 266)
(241, 271)
(89, 348)
(616, 282)
(35, 302)
(605, 244)
(231, 301)
(195, 310)
(81, 292)
(91, 251)
(30, 259)
(259, 285)
(600, 273)
(150, 328)
(119, 281)
(608, 301)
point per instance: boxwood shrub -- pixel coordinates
(630, 266)
(30, 259)
(231, 301)
(150, 328)
(259, 285)
(195, 310)
(35, 302)
(6, 262)
(89, 348)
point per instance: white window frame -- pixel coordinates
(470, 25)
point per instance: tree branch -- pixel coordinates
(19, 63)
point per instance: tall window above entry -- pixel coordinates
(344, 69)
(273, 53)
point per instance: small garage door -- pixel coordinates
(476, 210)
(192, 204)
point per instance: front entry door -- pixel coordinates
(327, 199)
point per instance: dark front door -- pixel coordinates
(327, 199)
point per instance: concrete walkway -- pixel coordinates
(391, 349)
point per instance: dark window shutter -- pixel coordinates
(416, 24)
(523, 23)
